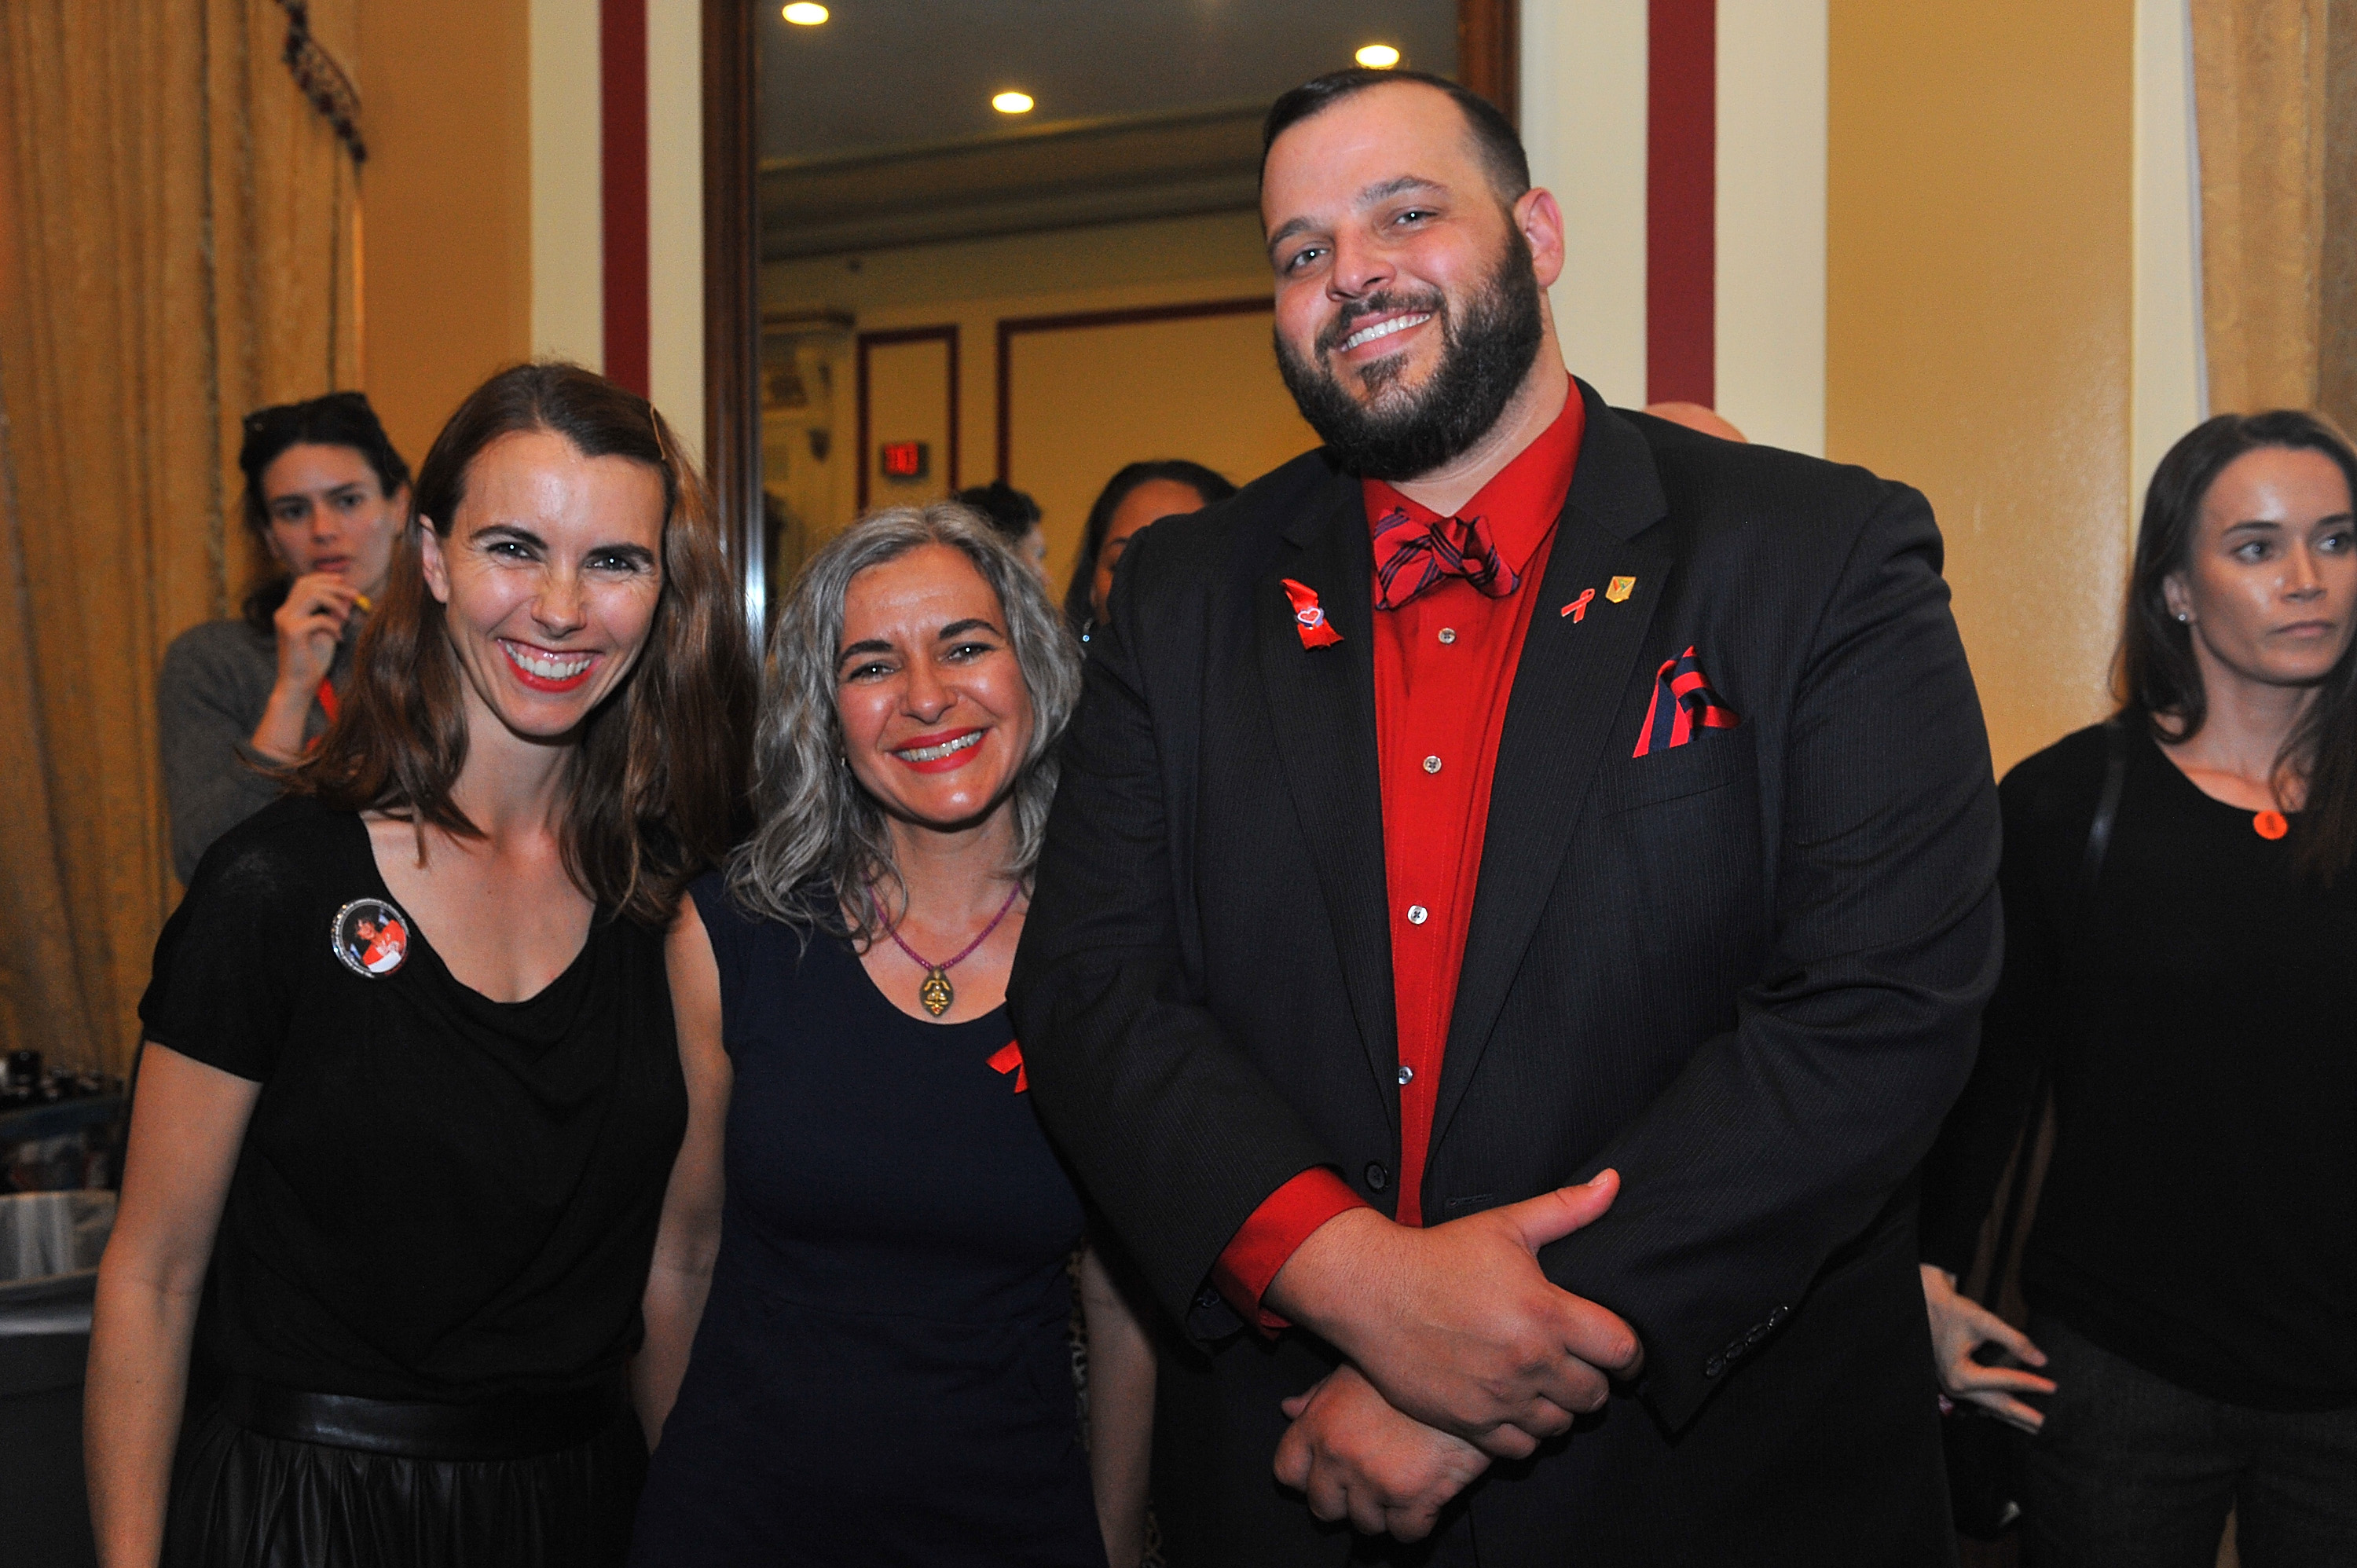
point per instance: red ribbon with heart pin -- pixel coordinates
(1309, 616)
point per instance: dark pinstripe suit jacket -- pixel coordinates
(1746, 971)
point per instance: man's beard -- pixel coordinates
(1484, 358)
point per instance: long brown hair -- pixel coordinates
(2154, 675)
(655, 790)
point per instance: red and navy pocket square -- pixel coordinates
(1682, 703)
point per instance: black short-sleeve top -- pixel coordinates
(439, 1197)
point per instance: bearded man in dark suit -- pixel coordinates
(1517, 909)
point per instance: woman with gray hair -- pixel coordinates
(857, 1329)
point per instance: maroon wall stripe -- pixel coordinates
(1681, 200)
(622, 127)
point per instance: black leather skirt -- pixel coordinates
(281, 1478)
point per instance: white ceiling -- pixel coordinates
(882, 74)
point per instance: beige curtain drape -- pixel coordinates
(178, 235)
(2276, 109)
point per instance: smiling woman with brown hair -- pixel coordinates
(411, 1093)
(2178, 919)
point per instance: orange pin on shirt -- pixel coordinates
(1621, 589)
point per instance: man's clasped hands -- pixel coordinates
(1458, 1350)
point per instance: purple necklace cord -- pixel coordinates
(963, 954)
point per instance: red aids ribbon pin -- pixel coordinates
(1309, 616)
(1578, 608)
(1008, 1058)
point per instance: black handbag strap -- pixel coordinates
(2091, 867)
(2107, 809)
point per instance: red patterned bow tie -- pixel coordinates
(1411, 557)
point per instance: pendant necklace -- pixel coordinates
(934, 992)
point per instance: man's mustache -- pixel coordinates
(1352, 315)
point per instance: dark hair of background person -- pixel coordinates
(1207, 483)
(2154, 673)
(1012, 513)
(657, 788)
(1500, 147)
(339, 419)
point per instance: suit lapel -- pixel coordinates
(1321, 704)
(1567, 690)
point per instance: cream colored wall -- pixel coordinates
(568, 309)
(1583, 116)
(448, 195)
(1980, 240)
(1086, 402)
(675, 215)
(1770, 225)
(908, 400)
(2171, 395)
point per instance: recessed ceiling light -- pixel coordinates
(803, 14)
(1378, 57)
(1012, 103)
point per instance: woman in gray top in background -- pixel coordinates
(324, 493)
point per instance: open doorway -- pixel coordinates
(1017, 241)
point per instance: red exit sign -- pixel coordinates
(904, 459)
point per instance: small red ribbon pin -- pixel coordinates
(1008, 1058)
(1309, 616)
(1578, 608)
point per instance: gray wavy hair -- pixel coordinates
(822, 842)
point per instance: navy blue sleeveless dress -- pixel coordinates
(881, 1375)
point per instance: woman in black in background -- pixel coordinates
(411, 1092)
(1139, 494)
(326, 495)
(880, 1372)
(2192, 1268)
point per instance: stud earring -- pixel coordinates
(2182, 617)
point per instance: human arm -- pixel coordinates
(1121, 1411)
(1456, 1324)
(1995, 1126)
(1961, 1326)
(188, 1123)
(308, 626)
(687, 1236)
(1355, 1456)
(1788, 1135)
(206, 697)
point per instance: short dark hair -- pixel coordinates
(1208, 483)
(2154, 676)
(1010, 512)
(339, 419)
(1494, 137)
(656, 788)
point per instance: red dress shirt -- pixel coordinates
(1444, 667)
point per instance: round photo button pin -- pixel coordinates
(370, 937)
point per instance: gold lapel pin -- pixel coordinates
(1621, 589)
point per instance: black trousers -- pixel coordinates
(2132, 1471)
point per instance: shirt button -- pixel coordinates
(1376, 1175)
(1432, 764)
(1406, 1073)
(1448, 633)
(1417, 915)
